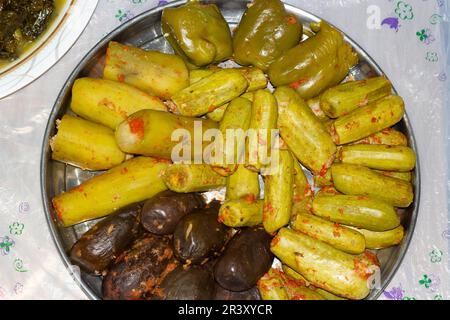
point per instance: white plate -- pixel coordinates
(52, 46)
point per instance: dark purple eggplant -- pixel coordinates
(106, 240)
(162, 213)
(245, 260)
(191, 283)
(139, 270)
(224, 294)
(199, 236)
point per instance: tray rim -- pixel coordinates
(82, 63)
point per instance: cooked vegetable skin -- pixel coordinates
(291, 273)
(327, 191)
(224, 294)
(110, 102)
(245, 260)
(344, 98)
(325, 267)
(278, 194)
(264, 33)
(84, 144)
(406, 176)
(217, 114)
(199, 236)
(196, 75)
(249, 96)
(244, 183)
(271, 287)
(368, 120)
(382, 240)
(198, 33)
(314, 105)
(153, 72)
(262, 125)
(334, 234)
(381, 157)
(358, 211)
(299, 292)
(185, 178)
(233, 126)
(133, 181)
(389, 136)
(191, 283)
(316, 64)
(301, 186)
(161, 214)
(255, 77)
(160, 134)
(303, 206)
(323, 180)
(275, 285)
(106, 240)
(209, 93)
(241, 213)
(362, 181)
(303, 132)
(328, 295)
(138, 271)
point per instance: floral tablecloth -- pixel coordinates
(407, 38)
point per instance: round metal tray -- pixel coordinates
(145, 31)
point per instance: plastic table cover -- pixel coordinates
(409, 39)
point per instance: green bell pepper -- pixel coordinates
(316, 64)
(198, 33)
(265, 32)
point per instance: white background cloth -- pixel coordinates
(32, 268)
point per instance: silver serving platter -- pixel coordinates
(145, 31)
